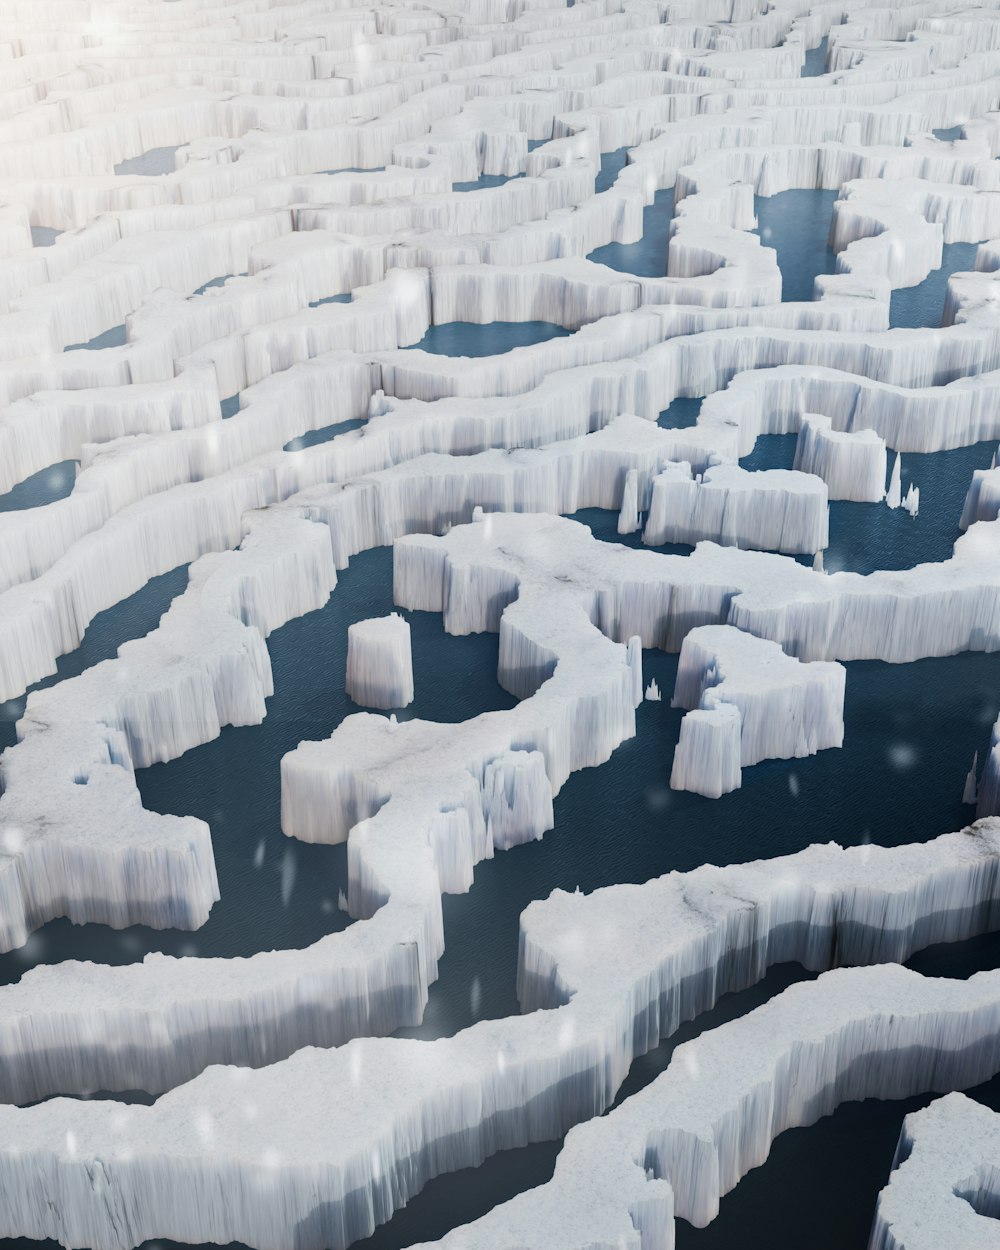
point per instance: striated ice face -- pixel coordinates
(945, 1186)
(283, 285)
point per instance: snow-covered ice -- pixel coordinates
(772, 510)
(224, 232)
(944, 1189)
(399, 1102)
(379, 662)
(748, 701)
(852, 463)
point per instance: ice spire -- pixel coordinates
(971, 791)
(894, 494)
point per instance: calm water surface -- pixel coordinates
(910, 735)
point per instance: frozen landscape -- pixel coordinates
(500, 624)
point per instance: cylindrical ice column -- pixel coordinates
(707, 756)
(380, 662)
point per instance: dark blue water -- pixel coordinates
(155, 161)
(485, 181)
(911, 733)
(44, 236)
(212, 282)
(604, 525)
(923, 305)
(869, 536)
(221, 280)
(131, 618)
(771, 451)
(463, 338)
(325, 434)
(948, 132)
(45, 486)
(233, 782)
(648, 257)
(797, 225)
(115, 337)
(355, 169)
(795, 1198)
(811, 1210)
(612, 163)
(902, 782)
(622, 822)
(681, 414)
(815, 60)
(344, 298)
(230, 406)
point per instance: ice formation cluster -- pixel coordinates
(230, 231)
(748, 701)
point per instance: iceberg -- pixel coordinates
(770, 510)
(748, 701)
(379, 662)
(943, 1189)
(166, 693)
(290, 1118)
(677, 1147)
(505, 1082)
(852, 463)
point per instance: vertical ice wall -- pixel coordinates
(944, 1189)
(753, 703)
(851, 463)
(707, 758)
(380, 662)
(773, 510)
(708, 101)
